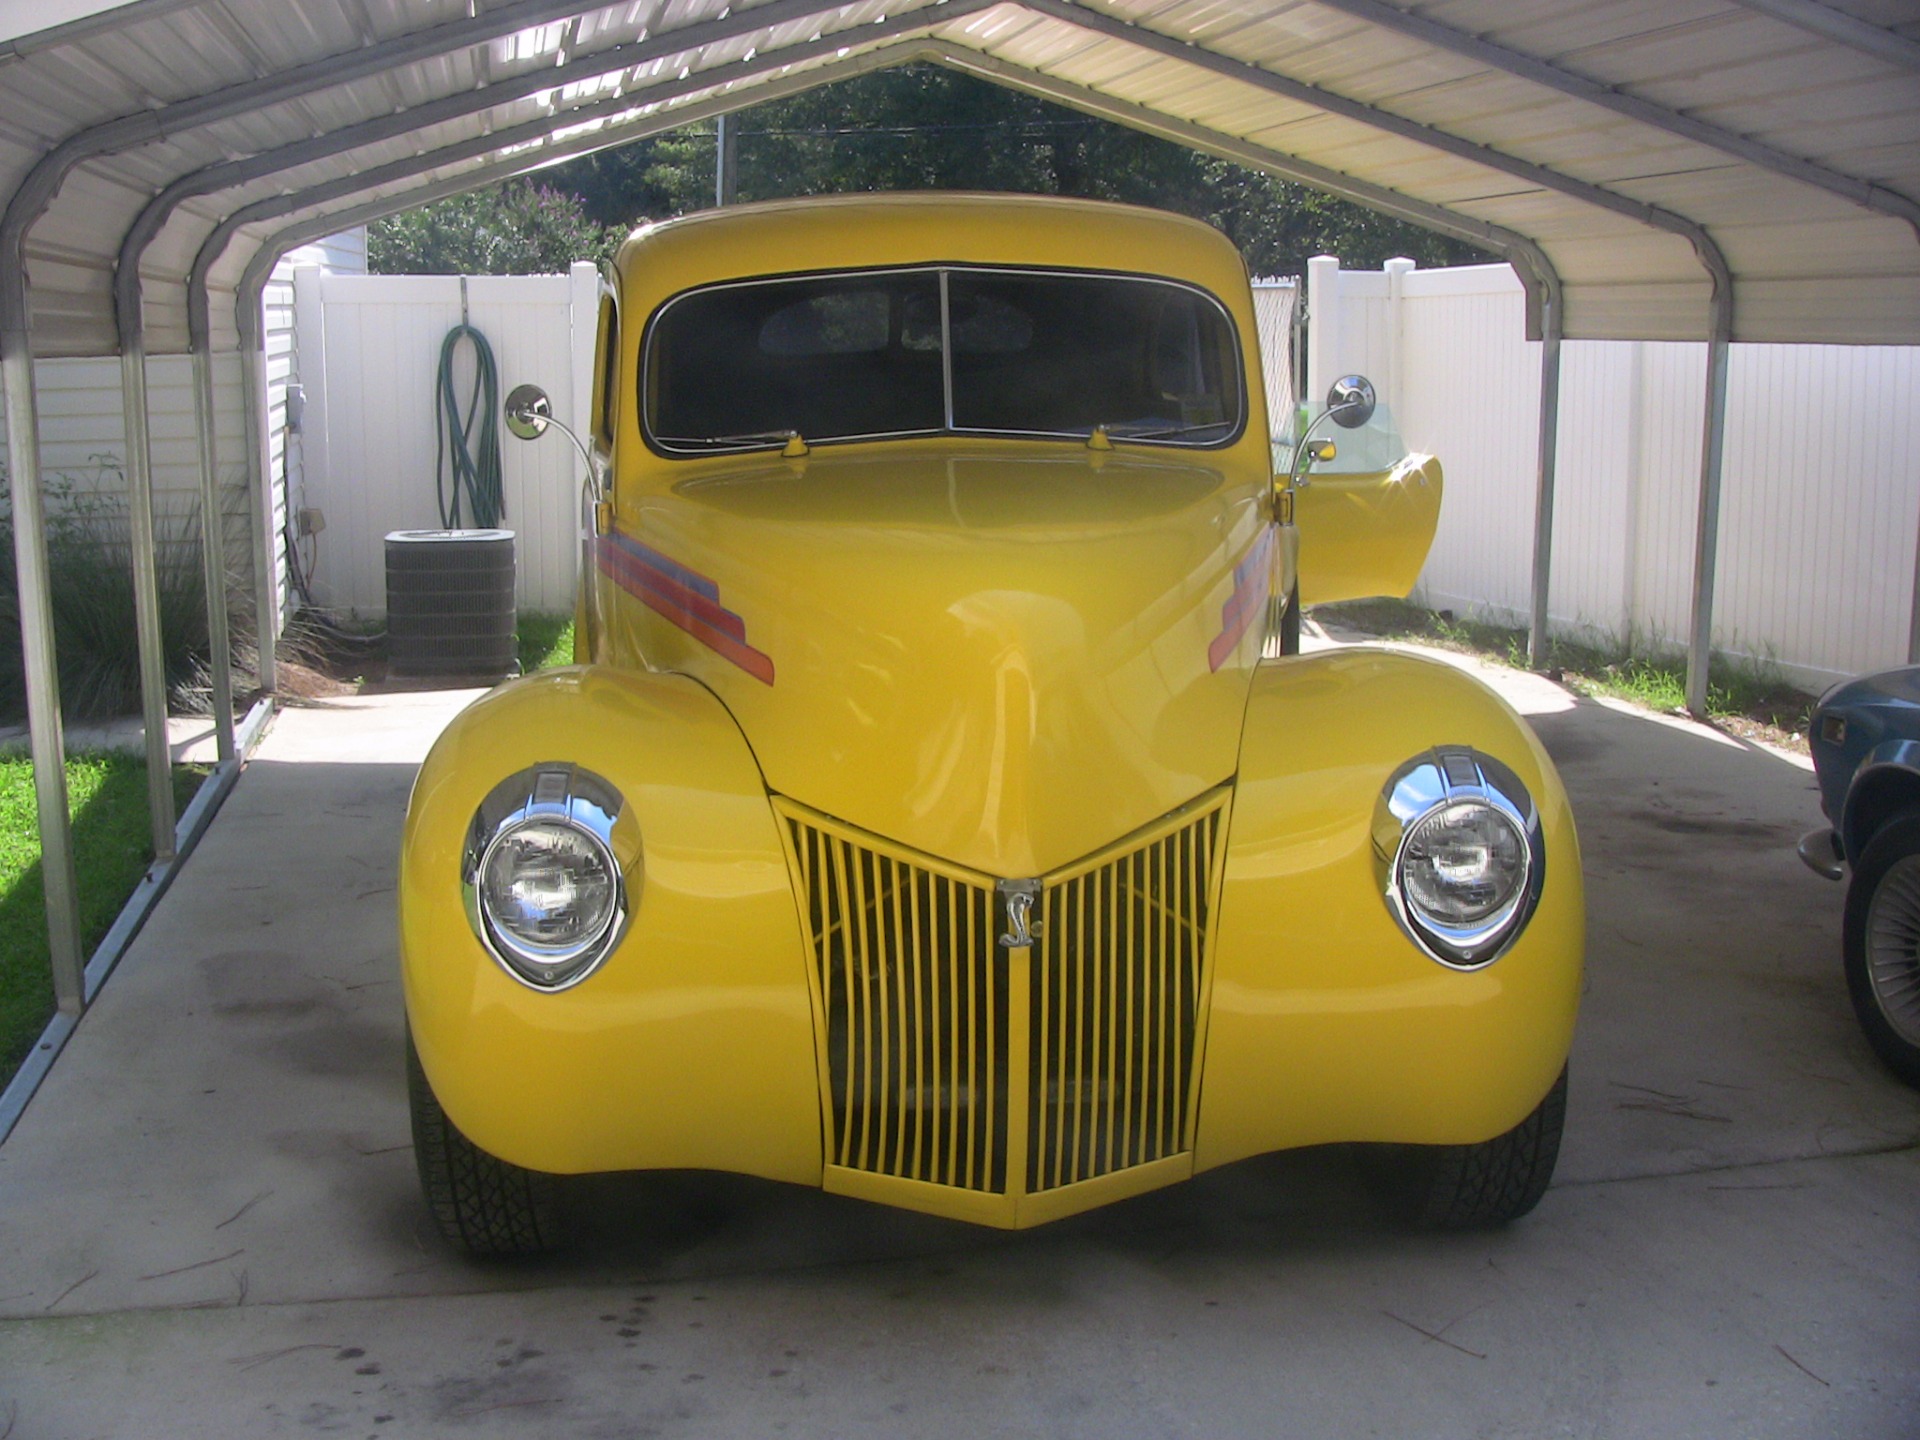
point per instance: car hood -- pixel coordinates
(1898, 686)
(1005, 662)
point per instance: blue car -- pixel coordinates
(1865, 738)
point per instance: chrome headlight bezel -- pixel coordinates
(553, 794)
(1433, 784)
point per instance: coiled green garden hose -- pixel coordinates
(462, 467)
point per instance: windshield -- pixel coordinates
(1054, 354)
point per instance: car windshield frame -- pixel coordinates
(1178, 434)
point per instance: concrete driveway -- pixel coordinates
(209, 1224)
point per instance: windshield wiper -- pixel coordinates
(1126, 430)
(750, 437)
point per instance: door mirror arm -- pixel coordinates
(528, 414)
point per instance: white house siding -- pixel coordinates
(345, 253)
(1274, 308)
(81, 426)
(83, 437)
(281, 450)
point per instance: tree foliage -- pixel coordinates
(915, 127)
(925, 127)
(519, 228)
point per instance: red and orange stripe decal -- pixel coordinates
(1252, 582)
(687, 599)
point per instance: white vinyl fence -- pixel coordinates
(1820, 502)
(1820, 508)
(368, 358)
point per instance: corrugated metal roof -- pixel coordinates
(1638, 144)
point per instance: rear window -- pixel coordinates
(855, 356)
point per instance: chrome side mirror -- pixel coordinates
(528, 411)
(1350, 402)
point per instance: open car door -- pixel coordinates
(1363, 509)
(1367, 533)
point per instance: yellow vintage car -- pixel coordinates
(940, 811)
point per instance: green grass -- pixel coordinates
(545, 641)
(1743, 689)
(112, 848)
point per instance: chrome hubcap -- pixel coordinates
(1893, 947)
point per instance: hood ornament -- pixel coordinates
(1023, 927)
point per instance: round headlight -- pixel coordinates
(1461, 854)
(545, 891)
(549, 888)
(1463, 865)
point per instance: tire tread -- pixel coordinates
(481, 1203)
(1464, 1187)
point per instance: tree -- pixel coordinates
(518, 228)
(925, 127)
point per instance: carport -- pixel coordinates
(1708, 170)
(1714, 170)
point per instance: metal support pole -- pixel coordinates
(266, 601)
(213, 550)
(1706, 543)
(1548, 449)
(146, 595)
(46, 739)
(726, 166)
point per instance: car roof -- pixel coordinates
(845, 232)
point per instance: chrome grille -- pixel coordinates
(930, 1057)
(915, 1009)
(1116, 1007)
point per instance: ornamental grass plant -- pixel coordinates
(90, 571)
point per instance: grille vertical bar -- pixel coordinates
(915, 1010)
(1121, 964)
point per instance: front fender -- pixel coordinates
(1327, 1023)
(692, 1045)
(1886, 782)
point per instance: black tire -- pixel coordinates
(1468, 1187)
(482, 1204)
(1881, 945)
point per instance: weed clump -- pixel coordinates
(1739, 689)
